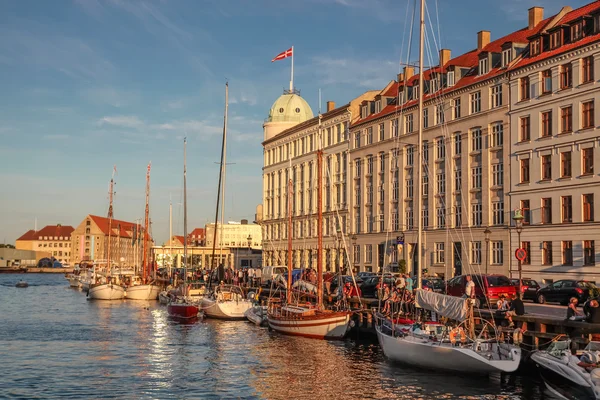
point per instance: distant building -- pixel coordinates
(234, 235)
(50, 241)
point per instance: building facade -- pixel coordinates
(555, 148)
(290, 172)
(241, 235)
(50, 241)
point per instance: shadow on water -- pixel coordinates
(61, 346)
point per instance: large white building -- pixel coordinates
(555, 147)
(234, 234)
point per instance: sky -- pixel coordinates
(86, 85)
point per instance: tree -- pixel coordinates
(402, 266)
(6, 246)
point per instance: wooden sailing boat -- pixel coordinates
(108, 290)
(147, 290)
(312, 321)
(181, 307)
(226, 301)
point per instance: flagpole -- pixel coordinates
(292, 77)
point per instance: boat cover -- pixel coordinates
(448, 306)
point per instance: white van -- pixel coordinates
(268, 273)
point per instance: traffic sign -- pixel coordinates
(521, 254)
(399, 239)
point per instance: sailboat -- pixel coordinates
(146, 290)
(108, 290)
(181, 307)
(225, 301)
(311, 321)
(436, 346)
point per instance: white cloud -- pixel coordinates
(135, 127)
(123, 121)
(56, 137)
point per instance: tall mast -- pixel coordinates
(420, 147)
(319, 217)
(221, 173)
(110, 218)
(170, 232)
(184, 215)
(146, 225)
(289, 213)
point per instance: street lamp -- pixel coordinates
(163, 257)
(518, 218)
(487, 234)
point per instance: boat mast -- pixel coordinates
(184, 217)
(146, 226)
(224, 143)
(319, 217)
(170, 234)
(110, 218)
(420, 147)
(289, 212)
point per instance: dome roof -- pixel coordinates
(290, 107)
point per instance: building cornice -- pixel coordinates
(555, 59)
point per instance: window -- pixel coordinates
(356, 253)
(450, 79)
(524, 88)
(439, 114)
(498, 174)
(566, 76)
(395, 221)
(498, 213)
(476, 142)
(547, 253)
(456, 108)
(476, 215)
(457, 179)
(457, 144)
(547, 124)
(476, 177)
(546, 210)
(496, 96)
(369, 253)
(589, 252)
(381, 132)
(565, 167)
(434, 87)
(525, 170)
(439, 253)
(588, 207)
(547, 81)
(577, 31)
(587, 67)
(526, 210)
(567, 253)
(357, 140)
(567, 208)
(527, 247)
(425, 118)
(408, 123)
(506, 57)
(476, 253)
(409, 187)
(415, 92)
(566, 119)
(425, 152)
(475, 102)
(587, 114)
(425, 184)
(525, 129)
(441, 182)
(370, 135)
(458, 213)
(546, 167)
(441, 148)
(441, 217)
(483, 65)
(370, 165)
(588, 161)
(555, 39)
(410, 155)
(394, 127)
(497, 252)
(534, 47)
(425, 215)
(497, 134)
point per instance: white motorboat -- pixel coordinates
(142, 292)
(164, 297)
(74, 281)
(563, 375)
(309, 322)
(226, 302)
(257, 315)
(106, 291)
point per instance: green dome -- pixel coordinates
(290, 107)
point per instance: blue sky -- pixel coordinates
(88, 84)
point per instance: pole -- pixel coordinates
(184, 218)
(487, 254)
(170, 234)
(420, 146)
(220, 177)
(519, 260)
(292, 76)
(319, 219)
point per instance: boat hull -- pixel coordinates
(432, 355)
(184, 311)
(106, 291)
(331, 326)
(562, 379)
(226, 309)
(142, 292)
(257, 315)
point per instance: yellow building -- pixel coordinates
(50, 241)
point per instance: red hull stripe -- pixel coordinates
(297, 323)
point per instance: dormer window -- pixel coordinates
(555, 39)
(534, 47)
(483, 66)
(377, 106)
(577, 31)
(450, 78)
(363, 112)
(434, 85)
(597, 22)
(415, 92)
(506, 57)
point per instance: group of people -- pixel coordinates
(397, 297)
(510, 308)
(593, 315)
(244, 277)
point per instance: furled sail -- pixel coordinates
(448, 306)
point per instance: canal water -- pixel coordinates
(56, 344)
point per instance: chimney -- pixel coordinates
(330, 105)
(536, 15)
(245, 221)
(444, 57)
(400, 77)
(483, 39)
(408, 72)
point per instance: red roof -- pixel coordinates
(49, 231)
(580, 12)
(198, 233)
(126, 228)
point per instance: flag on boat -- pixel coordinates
(288, 53)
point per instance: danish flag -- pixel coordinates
(285, 54)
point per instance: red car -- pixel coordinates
(488, 288)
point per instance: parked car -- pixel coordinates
(369, 286)
(561, 291)
(488, 288)
(345, 278)
(366, 274)
(529, 288)
(435, 284)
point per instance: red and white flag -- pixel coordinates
(288, 53)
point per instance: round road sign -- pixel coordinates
(521, 254)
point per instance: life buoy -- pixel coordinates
(458, 332)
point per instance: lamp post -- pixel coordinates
(353, 238)
(338, 235)
(518, 218)
(487, 234)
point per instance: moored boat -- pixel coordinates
(22, 284)
(226, 302)
(182, 308)
(106, 291)
(257, 315)
(309, 322)
(143, 292)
